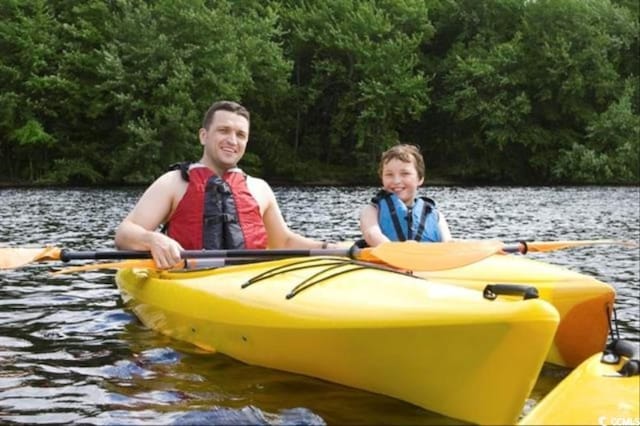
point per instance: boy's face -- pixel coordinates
(402, 179)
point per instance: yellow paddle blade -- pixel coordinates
(16, 257)
(133, 263)
(542, 246)
(416, 256)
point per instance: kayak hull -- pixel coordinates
(583, 302)
(441, 347)
(592, 394)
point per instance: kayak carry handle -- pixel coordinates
(492, 291)
(618, 348)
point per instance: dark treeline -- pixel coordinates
(494, 91)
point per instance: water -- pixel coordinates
(70, 352)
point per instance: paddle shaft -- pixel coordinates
(520, 247)
(525, 247)
(216, 262)
(67, 255)
(353, 252)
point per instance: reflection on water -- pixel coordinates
(70, 352)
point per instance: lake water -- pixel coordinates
(70, 352)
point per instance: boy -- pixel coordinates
(396, 213)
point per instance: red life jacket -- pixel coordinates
(217, 213)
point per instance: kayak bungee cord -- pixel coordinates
(304, 264)
(329, 264)
(308, 282)
(362, 265)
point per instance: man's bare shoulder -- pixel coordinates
(170, 184)
(170, 178)
(258, 183)
(262, 192)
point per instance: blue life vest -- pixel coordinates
(401, 223)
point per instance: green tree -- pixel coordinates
(178, 57)
(523, 82)
(481, 106)
(576, 60)
(611, 152)
(115, 91)
(357, 75)
(497, 90)
(25, 73)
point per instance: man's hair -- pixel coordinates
(223, 106)
(405, 153)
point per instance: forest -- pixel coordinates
(515, 92)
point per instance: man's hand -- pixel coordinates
(165, 251)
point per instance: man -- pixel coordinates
(210, 204)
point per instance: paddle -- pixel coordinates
(410, 255)
(404, 255)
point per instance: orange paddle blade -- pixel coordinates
(133, 263)
(542, 246)
(416, 256)
(15, 257)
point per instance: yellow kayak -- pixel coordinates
(583, 302)
(594, 393)
(441, 347)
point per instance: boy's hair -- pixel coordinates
(406, 153)
(230, 106)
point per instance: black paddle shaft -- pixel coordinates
(67, 255)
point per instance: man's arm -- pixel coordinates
(139, 230)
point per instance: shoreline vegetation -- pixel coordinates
(272, 182)
(434, 182)
(503, 92)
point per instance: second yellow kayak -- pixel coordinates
(583, 302)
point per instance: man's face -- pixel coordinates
(226, 139)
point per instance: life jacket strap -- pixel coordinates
(183, 166)
(395, 220)
(426, 209)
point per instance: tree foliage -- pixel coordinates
(357, 75)
(505, 91)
